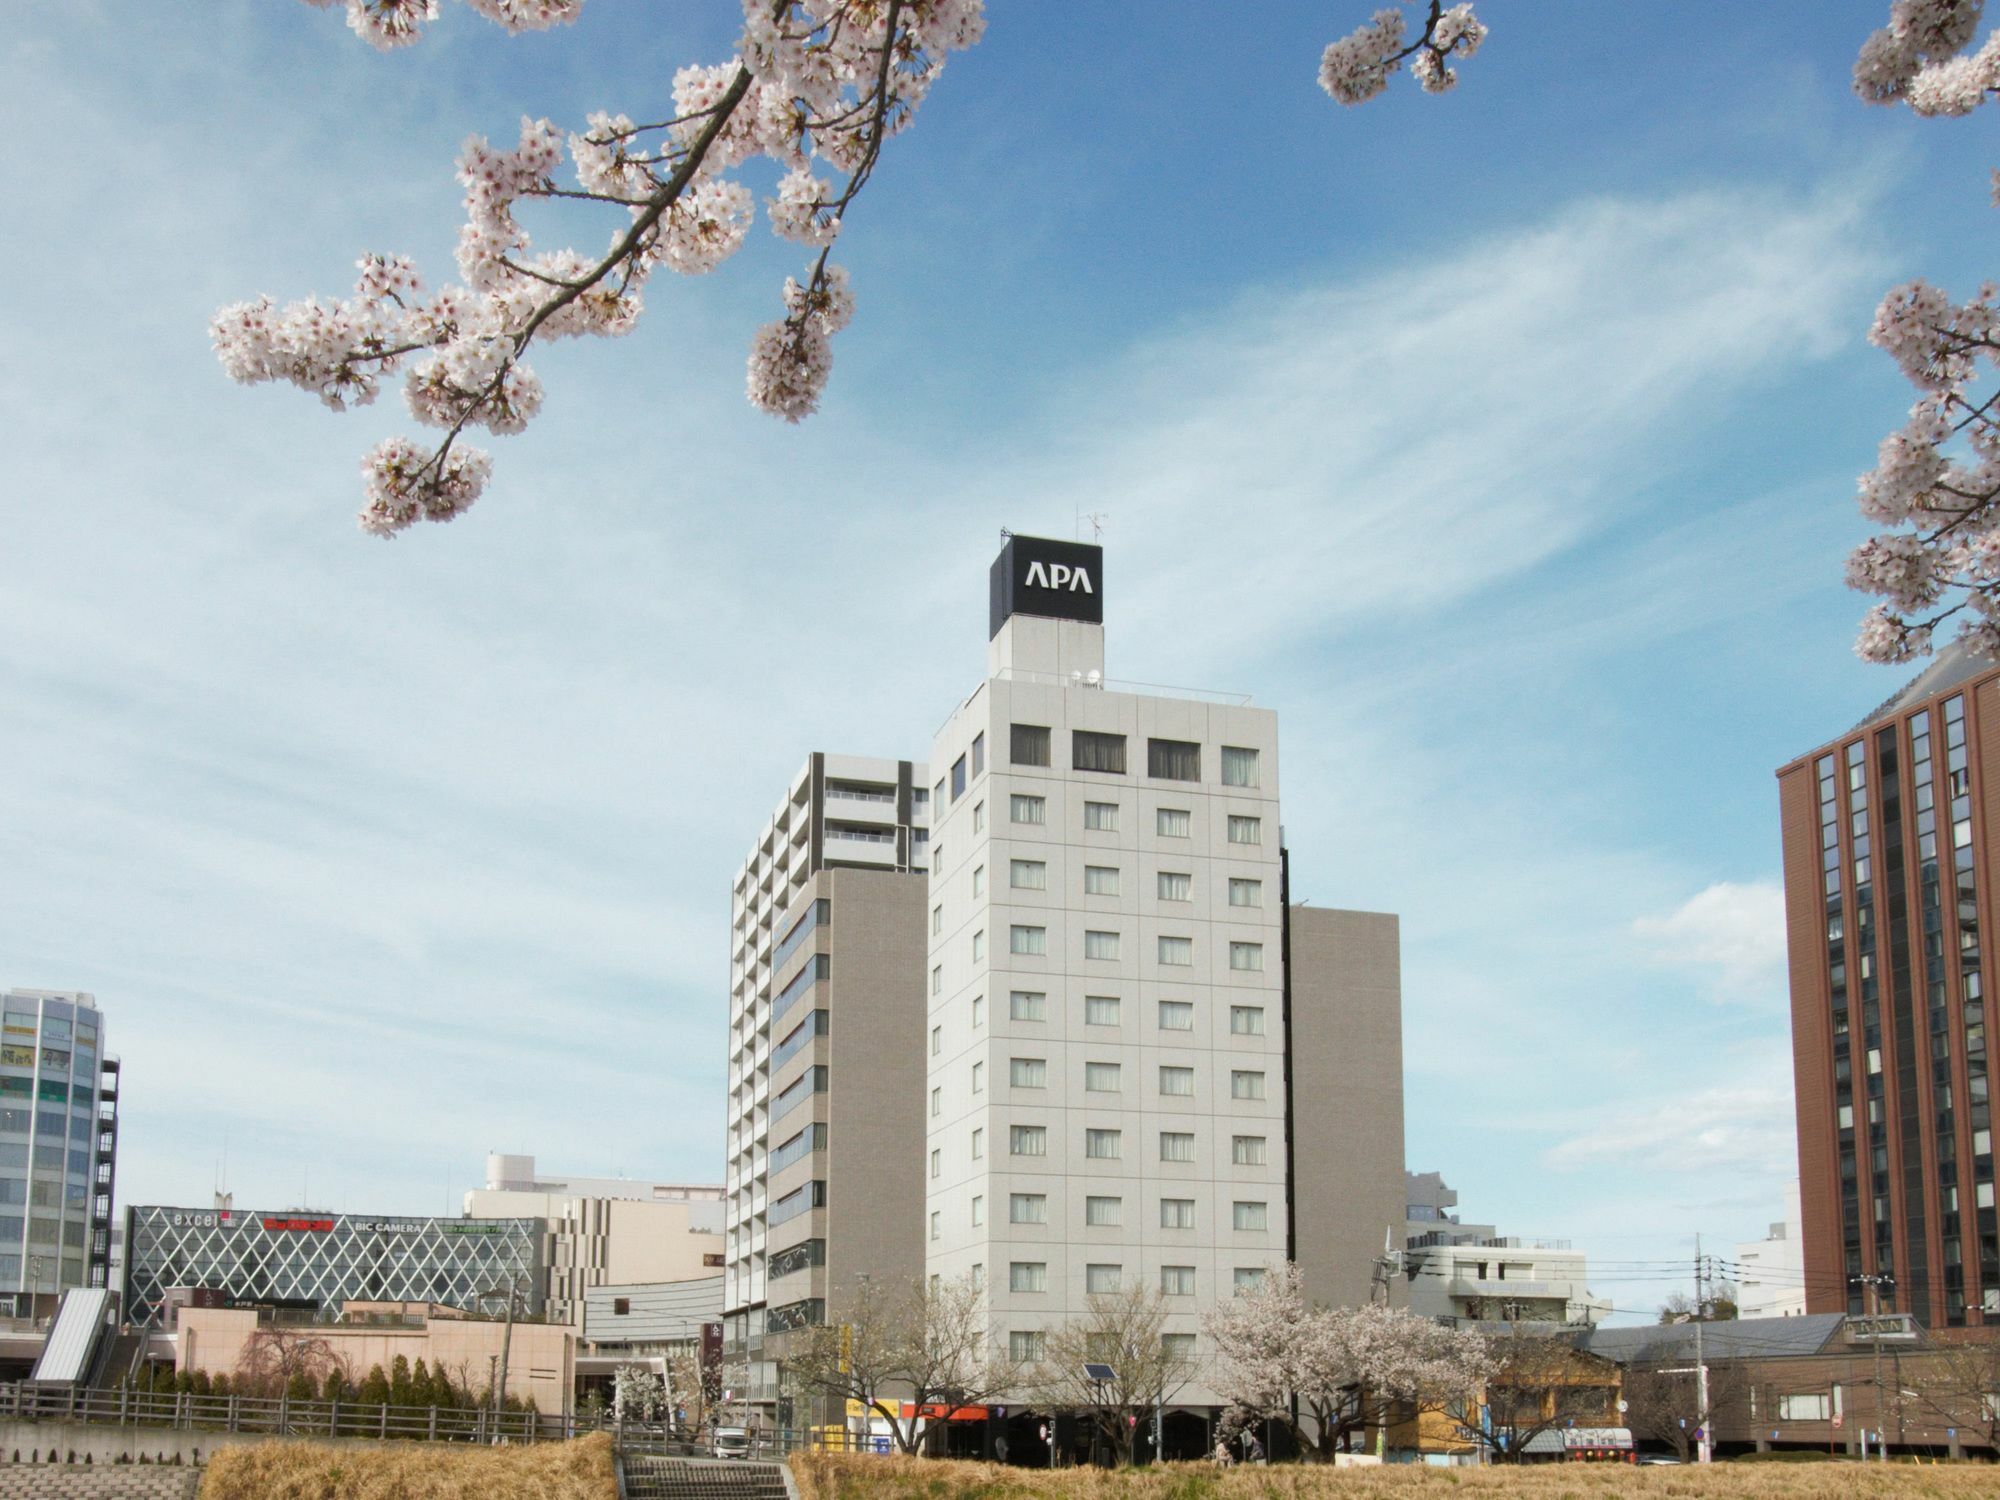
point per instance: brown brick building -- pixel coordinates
(1889, 840)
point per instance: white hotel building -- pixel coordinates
(1107, 1095)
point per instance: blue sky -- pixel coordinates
(1550, 393)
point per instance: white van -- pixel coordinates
(731, 1442)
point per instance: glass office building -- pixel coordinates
(58, 1144)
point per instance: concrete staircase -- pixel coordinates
(652, 1478)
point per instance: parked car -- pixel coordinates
(731, 1442)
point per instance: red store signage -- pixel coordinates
(316, 1226)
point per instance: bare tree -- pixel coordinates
(911, 1342)
(1126, 1332)
(273, 1356)
(1959, 1384)
(1540, 1381)
(1663, 1402)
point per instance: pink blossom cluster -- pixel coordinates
(1936, 479)
(816, 81)
(1356, 68)
(1919, 59)
(397, 23)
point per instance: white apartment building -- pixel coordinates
(824, 1040)
(1771, 1272)
(1107, 1082)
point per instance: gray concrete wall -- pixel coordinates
(875, 1079)
(26, 1481)
(1347, 1092)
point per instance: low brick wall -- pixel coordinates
(90, 1482)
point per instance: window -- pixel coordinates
(978, 1011)
(1029, 940)
(1100, 880)
(978, 1142)
(1176, 887)
(1177, 951)
(1246, 892)
(1249, 1278)
(1246, 955)
(937, 1103)
(1100, 945)
(1101, 1077)
(1178, 1347)
(978, 881)
(940, 792)
(1024, 1346)
(1090, 751)
(979, 1276)
(979, 816)
(1246, 1020)
(979, 1078)
(1028, 745)
(979, 754)
(1028, 874)
(1103, 1213)
(1026, 1005)
(958, 778)
(1239, 766)
(1102, 1145)
(620, 1306)
(1807, 1408)
(1099, 1280)
(978, 1210)
(937, 979)
(1027, 1208)
(1247, 1150)
(1245, 830)
(1176, 1145)
(1246, 1085)
(1177, 1015)
(1028, 1073)
(979, 947)
(1251, 1216)
(937, 1224)
(937, 920)
(1177, 1081)
(1028, 1140)
(1100, 817)
(1100, 1010)
(1177, 1213)
(1173, 760)
(1028, 1276)
(937, 1162)
(1171, 822)
(937, 1040)
(1023, 809)
(1177, 1281)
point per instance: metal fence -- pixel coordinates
(282, 1416)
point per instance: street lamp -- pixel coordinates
(497, 1386)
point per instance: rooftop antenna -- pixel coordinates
(1096, 518)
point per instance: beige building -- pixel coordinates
(826, 1066)
(541, 1357)
(606, 1231)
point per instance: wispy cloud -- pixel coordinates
(1734, 931)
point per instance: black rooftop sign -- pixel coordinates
(1039, 576)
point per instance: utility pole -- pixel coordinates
(1705, 1448)
(1875, 1283)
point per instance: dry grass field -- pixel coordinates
(412, 1471)
(845, 1477)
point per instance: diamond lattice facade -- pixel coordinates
(315, 1261)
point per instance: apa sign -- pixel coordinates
(1036, 575)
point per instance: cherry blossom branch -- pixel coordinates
(1357, 67)
(1935, 486)
(814, 80)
